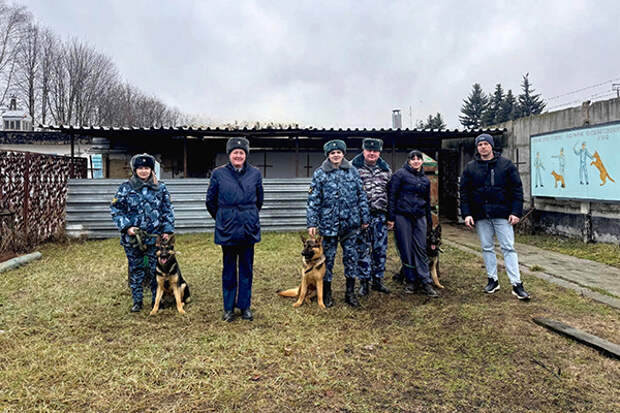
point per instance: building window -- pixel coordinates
(6, 124)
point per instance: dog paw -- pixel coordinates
(153, 312)
(296, 305)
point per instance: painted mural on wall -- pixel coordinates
(579, 163)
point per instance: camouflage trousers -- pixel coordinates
(349, 255)
(372, 247)
(137, 272)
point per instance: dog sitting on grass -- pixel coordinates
(312, 273)
(169, 278)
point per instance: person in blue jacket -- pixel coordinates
(234, 198)
(337, 210)
(142, 205)
(409, 213)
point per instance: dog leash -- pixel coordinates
(138, 241)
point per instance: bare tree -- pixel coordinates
(27, 68)
(12, 23)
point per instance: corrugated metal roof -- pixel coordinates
(268, 131)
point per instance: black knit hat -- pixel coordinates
(237, 143)
(334, 144)
(372, 144)
(142, 159)
(415, 153)
(485, 137)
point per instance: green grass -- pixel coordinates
(601, 252)
(69, 343)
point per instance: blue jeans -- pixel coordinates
(486, 228)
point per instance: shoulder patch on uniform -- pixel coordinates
(114, 200)
(310, 190)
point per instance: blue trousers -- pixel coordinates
(410, 236)
(349, 255)
(135, 259)
(372, 248)
(500, 227)
(237, 273)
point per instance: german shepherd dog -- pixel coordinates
(312, 273)
(169, 278)
(433, 241)
(558, 178)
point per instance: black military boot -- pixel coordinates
(327, 294)
(377, 285)
(363, 287)
(137, 307)
(349, 296)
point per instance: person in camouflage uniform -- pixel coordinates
(142, 205)
(337, 208)
(372, 242)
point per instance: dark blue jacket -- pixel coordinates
(233, 200)
(409, 194)
(491, 189)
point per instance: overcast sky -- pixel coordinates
(345, 63)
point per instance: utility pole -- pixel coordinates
(616, 87)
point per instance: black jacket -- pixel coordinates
(409, 194)
(491, 189)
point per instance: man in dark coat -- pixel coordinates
(492, 201)
(234, 198)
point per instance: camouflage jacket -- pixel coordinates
(375, 181)
(147, 207)
(337, 204)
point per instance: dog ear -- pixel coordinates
(303, 238)
(171, 239)
(438, 229)
(319, 239)
(158, 241)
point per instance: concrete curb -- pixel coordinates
(584, 291)
(18, 261)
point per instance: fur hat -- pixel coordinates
(485, 137)
(415, 153)
(237, 143)
(142, 159)
(372, 144)
(333, 145)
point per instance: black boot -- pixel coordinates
(377, 285)
(363, 287)
(136, 308)
(349, 296)
(327, 294)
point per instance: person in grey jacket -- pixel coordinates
(372, 242)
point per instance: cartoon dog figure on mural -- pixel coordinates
(559, 176)
(601, 168)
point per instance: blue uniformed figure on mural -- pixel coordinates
(538, 164)
(583, 155)
(142, 210)
(560, 175)
(372, 242)
(337, 210)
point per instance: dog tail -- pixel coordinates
(293, 292)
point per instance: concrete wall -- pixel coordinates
(591, 221)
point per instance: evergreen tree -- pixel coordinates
(473, 108)
(491, 114)
(432, 122)
(529, 103)
(508, 110)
